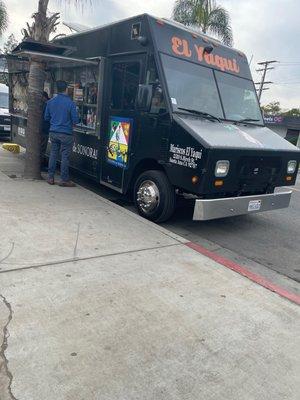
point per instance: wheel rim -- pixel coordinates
(148, 197)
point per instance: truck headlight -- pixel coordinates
(222, 168)
(291, 167)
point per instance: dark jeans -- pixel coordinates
(60, 142)
(44, 142)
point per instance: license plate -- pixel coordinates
(7, 128)
(254, 205)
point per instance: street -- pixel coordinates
(271, 239)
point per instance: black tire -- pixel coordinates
(166, 199)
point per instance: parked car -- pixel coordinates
(5, 119)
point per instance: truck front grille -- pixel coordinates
(257, 173)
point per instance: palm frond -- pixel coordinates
(77, 3)
(204, 15)
(3, 17)
(219, 24)
(184, 11)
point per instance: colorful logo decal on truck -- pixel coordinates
(120, 130)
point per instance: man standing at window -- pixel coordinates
(62, 114)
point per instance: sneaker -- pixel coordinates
(67, 184)
(50, 181)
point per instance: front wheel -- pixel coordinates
(154, 196)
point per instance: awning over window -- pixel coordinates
(19, 62)
(53, 59)
(52, 54)
(52, 48)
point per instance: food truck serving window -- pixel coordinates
(83, 89)
(83, 81)
(192, 86)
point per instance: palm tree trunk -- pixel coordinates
(36, 81)
(33, 135)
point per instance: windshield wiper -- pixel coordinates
(201, 113)
(248, 120)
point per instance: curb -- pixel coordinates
(258, 279)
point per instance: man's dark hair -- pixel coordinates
(61, 86)
(45, 94)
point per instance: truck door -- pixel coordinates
(120, 122)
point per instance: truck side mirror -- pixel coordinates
(144, 97)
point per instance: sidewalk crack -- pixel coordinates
(4, 346)
(9, 252)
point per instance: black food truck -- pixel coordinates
(164, 111)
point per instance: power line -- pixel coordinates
(286, 83)
(265, 83)
(289, 62)
(262, 83)
(288, 65)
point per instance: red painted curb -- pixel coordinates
(260, 280)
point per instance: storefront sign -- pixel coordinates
(273, 119)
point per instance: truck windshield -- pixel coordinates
(238, 98)
(194, 87)
(3, 100)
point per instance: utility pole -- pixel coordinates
(264, 70)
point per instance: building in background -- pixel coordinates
(287, 127)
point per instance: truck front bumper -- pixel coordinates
(227, 207)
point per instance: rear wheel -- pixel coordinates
(154, 196)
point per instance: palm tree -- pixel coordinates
(3, 18)
(205, 15)
(43, 25)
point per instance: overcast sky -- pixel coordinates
(264, 30)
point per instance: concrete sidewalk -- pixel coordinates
(97, 303)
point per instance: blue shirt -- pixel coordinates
(62, 114)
